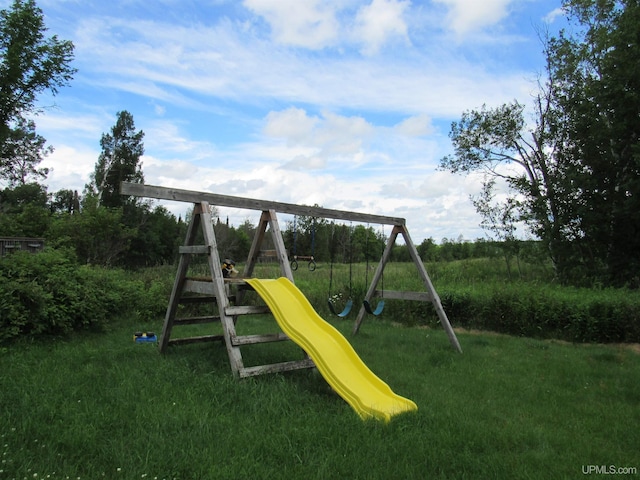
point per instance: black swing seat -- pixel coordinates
(344, 312)
(370, 310)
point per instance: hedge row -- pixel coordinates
(539, 310)
(576, 315)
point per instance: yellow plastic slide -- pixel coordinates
(333, 355)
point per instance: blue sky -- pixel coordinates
(343, 103)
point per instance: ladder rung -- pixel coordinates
(247, 310)
(196, 320)
(194, 249)
(199, 299)
(276, 367)
(203, 338)
(198, 286)
(254, 339)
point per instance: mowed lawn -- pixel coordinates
(98, 405)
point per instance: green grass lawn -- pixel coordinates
(100, 406)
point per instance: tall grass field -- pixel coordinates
(98, 405)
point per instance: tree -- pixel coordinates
(499, 220)
(498, 143)
(155, 240)
(427, 250)
(29, 65)
(98, 234)
(24, 211)
(118, 162)
(65, 201)
(598, 92)
(22, 151)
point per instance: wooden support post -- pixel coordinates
(254, 251)
(435, 299)
(278, 242)
(215, 267)
(268, 219)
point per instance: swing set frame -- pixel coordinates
(271, 208)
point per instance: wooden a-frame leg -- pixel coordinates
(215, 267)
(178, 284)
(435, 299)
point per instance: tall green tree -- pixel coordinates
(134, 234)
(30, 64)
(597, 89)
(119, 161)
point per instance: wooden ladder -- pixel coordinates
(216, 290)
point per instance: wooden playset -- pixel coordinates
(227, 293)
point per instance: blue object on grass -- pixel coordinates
(145, 337)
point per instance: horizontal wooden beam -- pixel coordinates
(194, 249)
(199, 286)
(164, 193)
(276, 367)
(203, 338)
(396, 295)
(246, 310)
(255, 339)
(196, 320)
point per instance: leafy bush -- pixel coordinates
(49, 293)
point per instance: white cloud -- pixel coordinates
(344, 135)
(83, 125)
(416, 126)
(466, 16)
(168, 137)
(380, 20)
(70, 167)
(329, 134)
(187, 66)
(293, 124)
(310, 23)
(160, 110)
(554, 14)
(303, 162)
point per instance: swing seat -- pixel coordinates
(344, 312)
(378, 309)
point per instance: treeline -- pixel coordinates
(129, 236)
(137, 234)
(329, 242)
